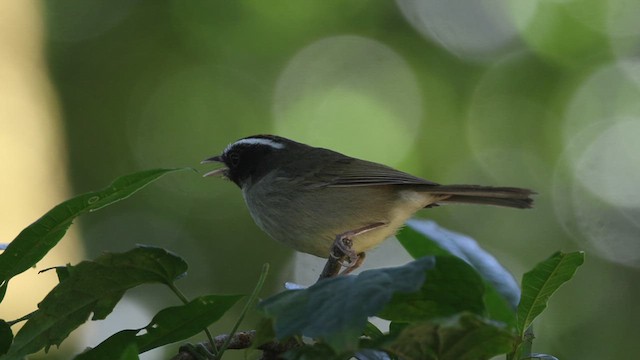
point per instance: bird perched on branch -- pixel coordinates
(315, 200)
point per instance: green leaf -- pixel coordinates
(541, 282)
(115, 347)
(62, 272)
(318, 351)
(497, 307)
(249, 304)
(130, 352)
(452, 286)
(168, 326)
(461, 337)
(181, 322)
(6, 337)
(93, 286)
(423, 238)
(3, 290)
(35, 241)
(336, 310)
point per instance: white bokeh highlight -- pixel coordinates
(622, 18)
(470, 29)
(610, 165)
(596, 192)
(351, 94)
(609, 94)
(603, 230)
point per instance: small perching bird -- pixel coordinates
(311, 198)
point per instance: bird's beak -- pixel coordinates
(216, 172)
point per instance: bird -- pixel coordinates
(328, 204)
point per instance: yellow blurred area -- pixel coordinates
(34, 169)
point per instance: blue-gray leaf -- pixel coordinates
(336, 310)
(468, 250)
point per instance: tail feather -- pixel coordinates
(485, 195)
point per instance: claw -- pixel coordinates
(341, 250)
(354, 264)
(342, 247)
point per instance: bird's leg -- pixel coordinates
(352, 266)
(341, 249)
(343, 243)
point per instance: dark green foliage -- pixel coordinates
(461, 337)
(463, 305)
(35, 241)
(422, 238)
(451, 287)
(541, 282)
(454, 302)
(336, 310)
(168, 326)
(6, 337)
(95, 287)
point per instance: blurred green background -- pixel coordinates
(542, 94)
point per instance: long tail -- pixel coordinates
(485, 195)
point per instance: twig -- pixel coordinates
(240, 340)
(334, 263)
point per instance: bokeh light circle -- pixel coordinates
(610, 165)
(622, 18)
(178, 121)
(352, 94)
(470, 29)
(608, 231)
(622, 27)
(601, 124)
(567, 32)
(597, 196)
(610, 93)
(505, 123)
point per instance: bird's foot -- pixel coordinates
(342, 254)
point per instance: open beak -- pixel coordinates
(216, 172)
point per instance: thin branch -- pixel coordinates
(240, 340)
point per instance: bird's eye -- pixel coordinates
(234, 158)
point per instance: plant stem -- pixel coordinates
(184, 300)
(527, 343)
(26, 317)
(252, 299)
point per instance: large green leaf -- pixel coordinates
(35, 241)
(451, 287)
(423, 238)
(114, 347)
(317, 351)
(93, 287)
(129, 352)
(540, 283)
(168, 326)
(6, 337)
(461, 337)
(336, 310)
(436, 240)
(181, 322)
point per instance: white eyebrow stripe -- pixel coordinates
(256, 141)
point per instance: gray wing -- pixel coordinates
(337, 170)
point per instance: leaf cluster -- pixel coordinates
(454, 301)
(96, 286)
